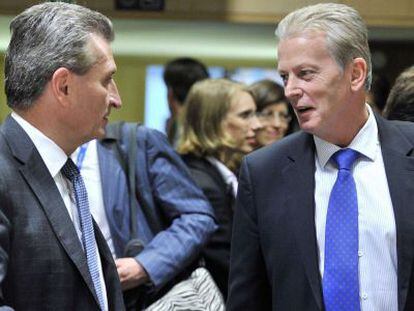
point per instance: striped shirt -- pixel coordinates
(376, 223)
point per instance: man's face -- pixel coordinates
(318, 89)
(95, 93)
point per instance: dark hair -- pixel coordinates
(181, 73)
(44, 38)
(380, 89)
(266, 93)
(400, 102)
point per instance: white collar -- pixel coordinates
(365, 142)
(228, 176)
(53, 156)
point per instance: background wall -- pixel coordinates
(375, 12)
(232, 33)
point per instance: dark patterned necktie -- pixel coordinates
(71, 172)
(340, 278)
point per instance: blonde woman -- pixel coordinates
(219, 127)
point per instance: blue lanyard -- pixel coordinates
(81, 155)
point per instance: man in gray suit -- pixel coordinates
(59, 83)
(324, 218)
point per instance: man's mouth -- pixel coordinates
(303, 109)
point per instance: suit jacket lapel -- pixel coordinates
(398, 158)
(300, 179)
(110, 170)
(106, 179)
(37, 176)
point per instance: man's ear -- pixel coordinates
(60, 85)
(170, 95)
(173, 102)
(358, 74)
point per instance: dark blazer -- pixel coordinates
(42, 264)
(274, 262)
(217, 251)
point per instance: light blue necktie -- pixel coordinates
(71, 172)
(340, 278)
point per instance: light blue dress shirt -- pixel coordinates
(377, 232)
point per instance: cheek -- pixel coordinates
(238, 132)
(266, 128)
(233, 127)
(261, 134)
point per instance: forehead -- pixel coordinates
(100, 49)
(242, 100)
(277, 106)
(304, 48)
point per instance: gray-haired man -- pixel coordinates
(324, 218)
(59, 83)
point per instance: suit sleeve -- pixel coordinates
(248, 285)
(189, 215)
(4, 256)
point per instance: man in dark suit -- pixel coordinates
(349, 171)
(58, 70)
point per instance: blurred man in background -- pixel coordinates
(179, 75)
(400, 102)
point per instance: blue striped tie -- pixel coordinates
(71, 172)
(340, 278)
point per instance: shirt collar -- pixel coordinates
(365, 142)
(52, 155)
(224, 170)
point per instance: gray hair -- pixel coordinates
(46, 37)
(346, 32)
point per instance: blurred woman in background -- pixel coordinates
(273, 110)
(219, 127)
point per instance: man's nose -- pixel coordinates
(292, 91)
(114, 97)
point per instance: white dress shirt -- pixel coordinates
(228, 176)
(91, 175)
(54, 158)
(376, 223)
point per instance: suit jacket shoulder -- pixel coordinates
(42, 263)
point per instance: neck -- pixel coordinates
(345, 129)
(50, 128)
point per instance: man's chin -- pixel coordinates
(307, 127)
(101, 133)
(98, 134)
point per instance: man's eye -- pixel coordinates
(306, 73)
(284, 78)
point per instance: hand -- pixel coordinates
(131, 273)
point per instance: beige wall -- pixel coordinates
(130, 79)
(375, 12)
(3, 107)
(132, 55)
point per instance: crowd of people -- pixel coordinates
(293, 197)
